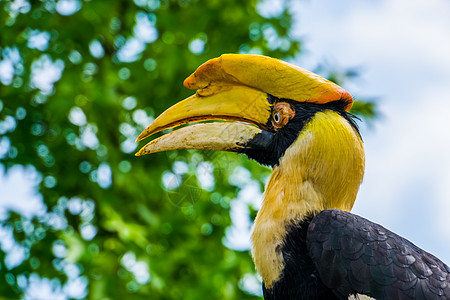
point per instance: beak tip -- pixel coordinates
(140, 152)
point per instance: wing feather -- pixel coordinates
(354, 255)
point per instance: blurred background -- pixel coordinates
(82, 218)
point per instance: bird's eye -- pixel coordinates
(277, 117)
(282, 113)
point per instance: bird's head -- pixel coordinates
(276, 113)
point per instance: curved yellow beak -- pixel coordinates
(234, 103)
(249, 107)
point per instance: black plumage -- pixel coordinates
(300, 279)
(369, 259)
(336, 254)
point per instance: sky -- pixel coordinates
(402, 49)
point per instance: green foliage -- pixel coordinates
(110, 222)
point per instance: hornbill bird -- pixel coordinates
(305, 242)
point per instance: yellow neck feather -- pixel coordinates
(322, 169)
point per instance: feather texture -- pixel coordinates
(354, 255)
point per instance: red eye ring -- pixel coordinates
(282, 113)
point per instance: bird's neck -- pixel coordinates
(322, 169)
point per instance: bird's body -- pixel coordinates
(306, 243)
(299, 187)
(337, 255)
